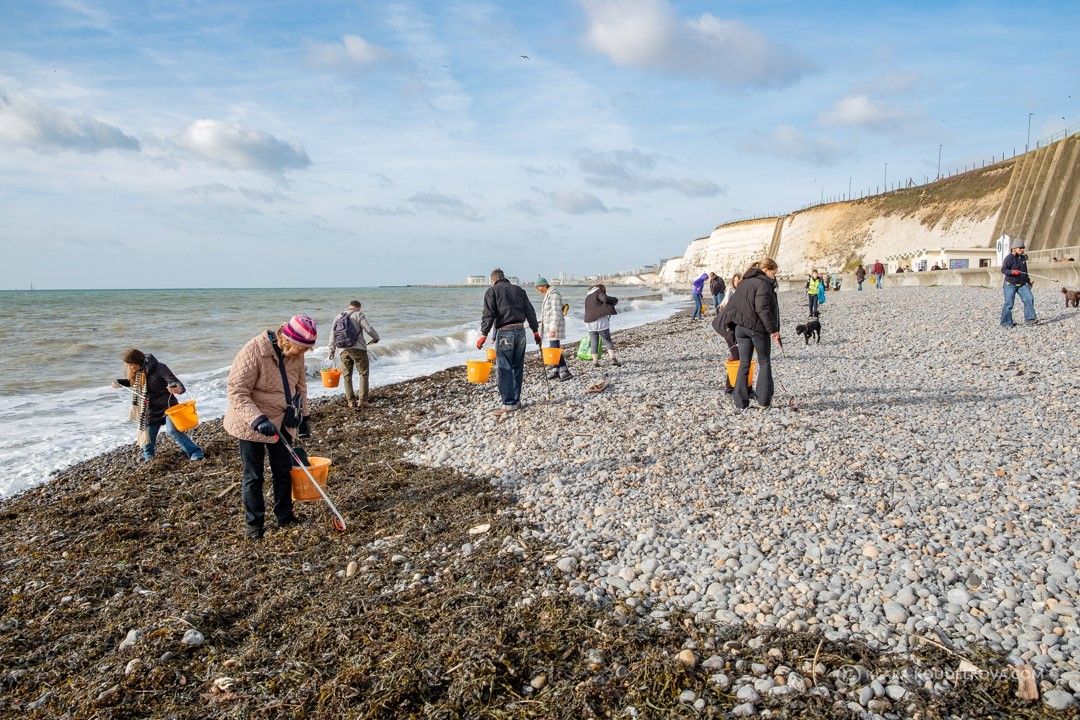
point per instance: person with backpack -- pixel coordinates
(814, 290)
(348, 336)
(268, 407)
(717, 288)
(154, 389)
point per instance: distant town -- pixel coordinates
(632, 277)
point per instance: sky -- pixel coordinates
(353, 144)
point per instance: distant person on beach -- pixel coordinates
(813, 292)
(348, 336)
(755, 317)
(507, 308)
(716, 288)
(553, 325)
(860, 275)
(268, 407)
(878, 271)
(599, 307)
(1017, 282)
(696, 289)
(154, 390)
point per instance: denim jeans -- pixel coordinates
(697, 307)
(813, 299)
(252, 455)
(860, 285)
(1011, 291)
(878, 281)
(186, 444)
(749, 342)
(717, 299)
(510, 361)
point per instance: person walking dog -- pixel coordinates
(553, 325)
(154, 389)
(1017, 282)
(755, 315)
(508, 308)
(268, 407)
(348, 336)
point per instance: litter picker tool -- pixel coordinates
(792, 403)
(338, 521)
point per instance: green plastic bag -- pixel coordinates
(584, 352)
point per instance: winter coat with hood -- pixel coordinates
(158, 377)
(755, 305)
(698, 286)
(255, 389)
(598, 304)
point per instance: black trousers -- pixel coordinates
(253, 454)
(749, 342)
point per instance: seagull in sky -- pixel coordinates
(524, 57)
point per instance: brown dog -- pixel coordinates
(1072, 297)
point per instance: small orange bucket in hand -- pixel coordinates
(491, 354)
(477, 371)
(302, 489)
(552, 356)
(183, 415)
(331, 377)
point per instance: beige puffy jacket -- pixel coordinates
(254, 388)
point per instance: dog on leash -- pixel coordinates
(1072, 297)
(812, 327)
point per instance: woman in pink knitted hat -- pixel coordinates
(268, 403)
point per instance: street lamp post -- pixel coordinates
(849, 187)
(939, 161)
(885, 181)
(1028, 142)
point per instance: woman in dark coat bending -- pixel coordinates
(754, 313)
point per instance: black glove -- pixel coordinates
(303, 430)
(263, 425)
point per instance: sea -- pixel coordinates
(61, 349)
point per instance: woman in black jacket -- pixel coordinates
(154, 388)
(599, 307)
(754, 312)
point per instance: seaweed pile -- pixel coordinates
(128, 590)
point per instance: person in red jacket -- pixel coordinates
(878, 271)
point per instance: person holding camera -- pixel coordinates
(268, 407)
(154, 389)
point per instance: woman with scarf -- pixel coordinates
(154, 389)
(268, 407)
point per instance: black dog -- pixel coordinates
(812, 327)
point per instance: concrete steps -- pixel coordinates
(1040, 165)
(774, 246)
(1013, 192)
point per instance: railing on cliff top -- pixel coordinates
(911, 182)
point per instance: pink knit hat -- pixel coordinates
(300, 330)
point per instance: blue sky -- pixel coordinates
(366, 143)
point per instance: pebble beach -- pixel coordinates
(927, 489)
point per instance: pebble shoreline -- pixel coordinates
(927, 487)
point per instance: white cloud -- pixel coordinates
(29, 122)
(576, 202)
(352, 50)
(860, 110)
(650, 34)
(626, 171)
(791, 144)
(446, 205)
(241, 148)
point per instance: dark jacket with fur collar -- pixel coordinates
(754, 305)
(158, 377)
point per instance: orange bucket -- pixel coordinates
(302, 489)
(491, 354)
(331, 377)
(477, 371)
(733, 371)
(552, 355)
(183, 415)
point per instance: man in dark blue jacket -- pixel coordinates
(507, 308)
(1017, 282)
